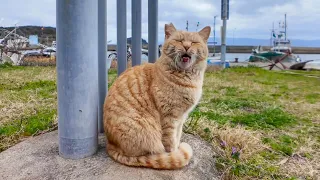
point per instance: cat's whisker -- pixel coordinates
(193, 57)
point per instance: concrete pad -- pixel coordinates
(37, 158)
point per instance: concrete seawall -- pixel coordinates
(247, 49)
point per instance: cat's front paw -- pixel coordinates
(170, 148)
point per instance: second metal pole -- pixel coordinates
(153, 31)
(102, 55)
(122, 35)
(136, 32)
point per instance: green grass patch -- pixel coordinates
(312, 98)
(9, 66)
(233, 103)
(255, 168)
(30, 124)
(268, 118)
(283, 143)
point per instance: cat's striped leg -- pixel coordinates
(180, 127)
(169, 135)
(179, 132)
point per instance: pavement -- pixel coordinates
(38, 158)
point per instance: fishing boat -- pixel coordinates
(281, 47)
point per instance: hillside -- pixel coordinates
(46, 36)
(144, 42)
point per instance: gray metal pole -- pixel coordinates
(223, 43)
(77, 69)
(122, 35)
(136, 32)
(102, 53)
(214, 36)
(153, 30)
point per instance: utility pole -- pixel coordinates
(285, 26)
(224, 18)
(214, 35)
(233, 35)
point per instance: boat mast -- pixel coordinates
(187, 28)
(272, 32)
(197, 26)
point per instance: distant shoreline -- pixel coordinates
(245, 49)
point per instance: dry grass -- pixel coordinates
(226, 138)
(38, 61)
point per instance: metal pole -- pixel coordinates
(102, 55)
(77, 69)
(223, 43)
(224, 17)
(136, 32)
(122, 35)
(233, 35)
(153, 30)
(214, 36)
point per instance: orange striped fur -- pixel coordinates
(147, 105)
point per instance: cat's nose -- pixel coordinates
(187, 45)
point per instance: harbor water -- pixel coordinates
(244, 56)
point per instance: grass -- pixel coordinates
(28, 102)
(262, 124)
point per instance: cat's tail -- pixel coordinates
(173, 160)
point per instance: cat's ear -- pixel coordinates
(205, 33)
(169, 30)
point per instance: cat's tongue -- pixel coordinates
(185, 59)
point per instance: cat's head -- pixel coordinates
(186, 50)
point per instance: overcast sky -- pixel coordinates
(248, 18)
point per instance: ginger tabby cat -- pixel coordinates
(147, 105)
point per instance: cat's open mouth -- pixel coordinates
(185, 58)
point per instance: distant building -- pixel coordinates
(33, 40)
